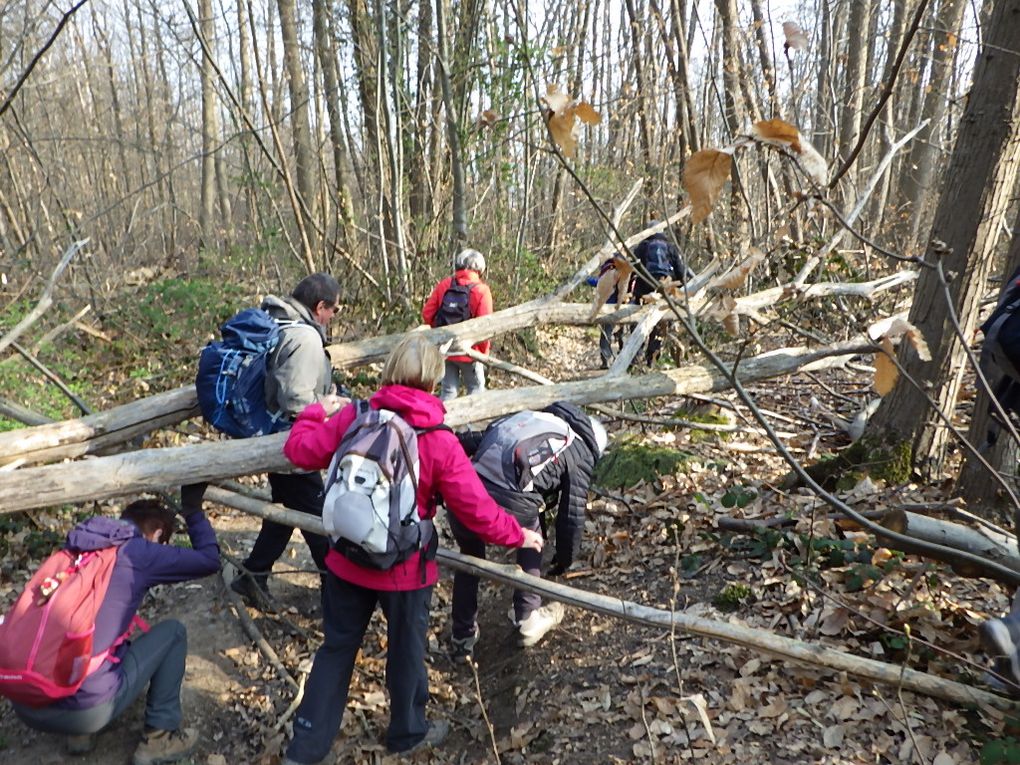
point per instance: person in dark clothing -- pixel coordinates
(298, 374)
(662, 260)
(155, 659)
(608, 330)
(526, 461)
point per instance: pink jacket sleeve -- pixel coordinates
(313, 439)
(467, 499)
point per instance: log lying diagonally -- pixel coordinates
(149, 469)
(760, 640)
(92, 435)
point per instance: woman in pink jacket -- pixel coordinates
(404, 591)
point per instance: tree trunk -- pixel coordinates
(452, 129)
(150, 469)
(305, 164)
(207, 209)
(1001, 451)
(981, 173)
(855, 82)
(918, 178)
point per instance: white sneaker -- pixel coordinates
(538, 623)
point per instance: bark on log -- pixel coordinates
(151, 469)
(92, 434)
(995, 547)
(759, 640)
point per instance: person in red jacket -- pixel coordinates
(404, 591)
(455, 299)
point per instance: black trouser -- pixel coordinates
(465, 586)
(298, 491)
(347, 610)
(653, 345)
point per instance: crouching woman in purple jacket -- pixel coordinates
(156, 658)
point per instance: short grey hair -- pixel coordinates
(472, 260)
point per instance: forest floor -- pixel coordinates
(600, 690)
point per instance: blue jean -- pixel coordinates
(156, 658)
(347, 610)
(472, 373)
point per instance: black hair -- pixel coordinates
(150, 515)
(317, 288)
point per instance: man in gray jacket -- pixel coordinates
(298, 374)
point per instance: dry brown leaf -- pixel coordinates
(777, 133)
(586, 113)
(795, 36)
(562, 115)
(814, 164)
(488, 118)
(699, 703)
(705, 174)
(615, 279)
(731, 323)
(834, 622)
(900, 328)
(886, 372)
(916, 339)
(735, 279)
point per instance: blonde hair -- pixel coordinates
(415, 362)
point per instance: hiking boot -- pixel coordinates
(254, 590)
(1001, 640)
(462, 650)
(81, 744)
(159, 746)
(434, 736)
(533, 628)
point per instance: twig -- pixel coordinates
(298, 697)
(481, 705)
(45, 300)
(52, 377)
(38, 57)
(257, 637)
(648, 730)
(908, 37)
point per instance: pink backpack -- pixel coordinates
(46, 637)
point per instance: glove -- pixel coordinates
(191, 498)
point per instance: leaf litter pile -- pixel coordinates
(681, 518)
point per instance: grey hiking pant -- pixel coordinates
(156, 658)
(471, 373)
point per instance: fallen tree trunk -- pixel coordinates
(998, 548)
(91, 435)
(151, 469)
(759, 640)
(101, 432)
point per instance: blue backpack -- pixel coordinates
(655, 257)
(231, 377)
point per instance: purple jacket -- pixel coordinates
(140, 565)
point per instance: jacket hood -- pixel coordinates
(467, 276)
(578, 422)
(291, 310)
(100, 532)
(420, 409)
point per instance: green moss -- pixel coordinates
(732, 596)
(630, 463)
(889, 462)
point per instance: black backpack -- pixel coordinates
(1000, 352)
(655, 257)
(456, 305)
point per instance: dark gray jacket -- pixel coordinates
(299, 372)
(564, 482)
